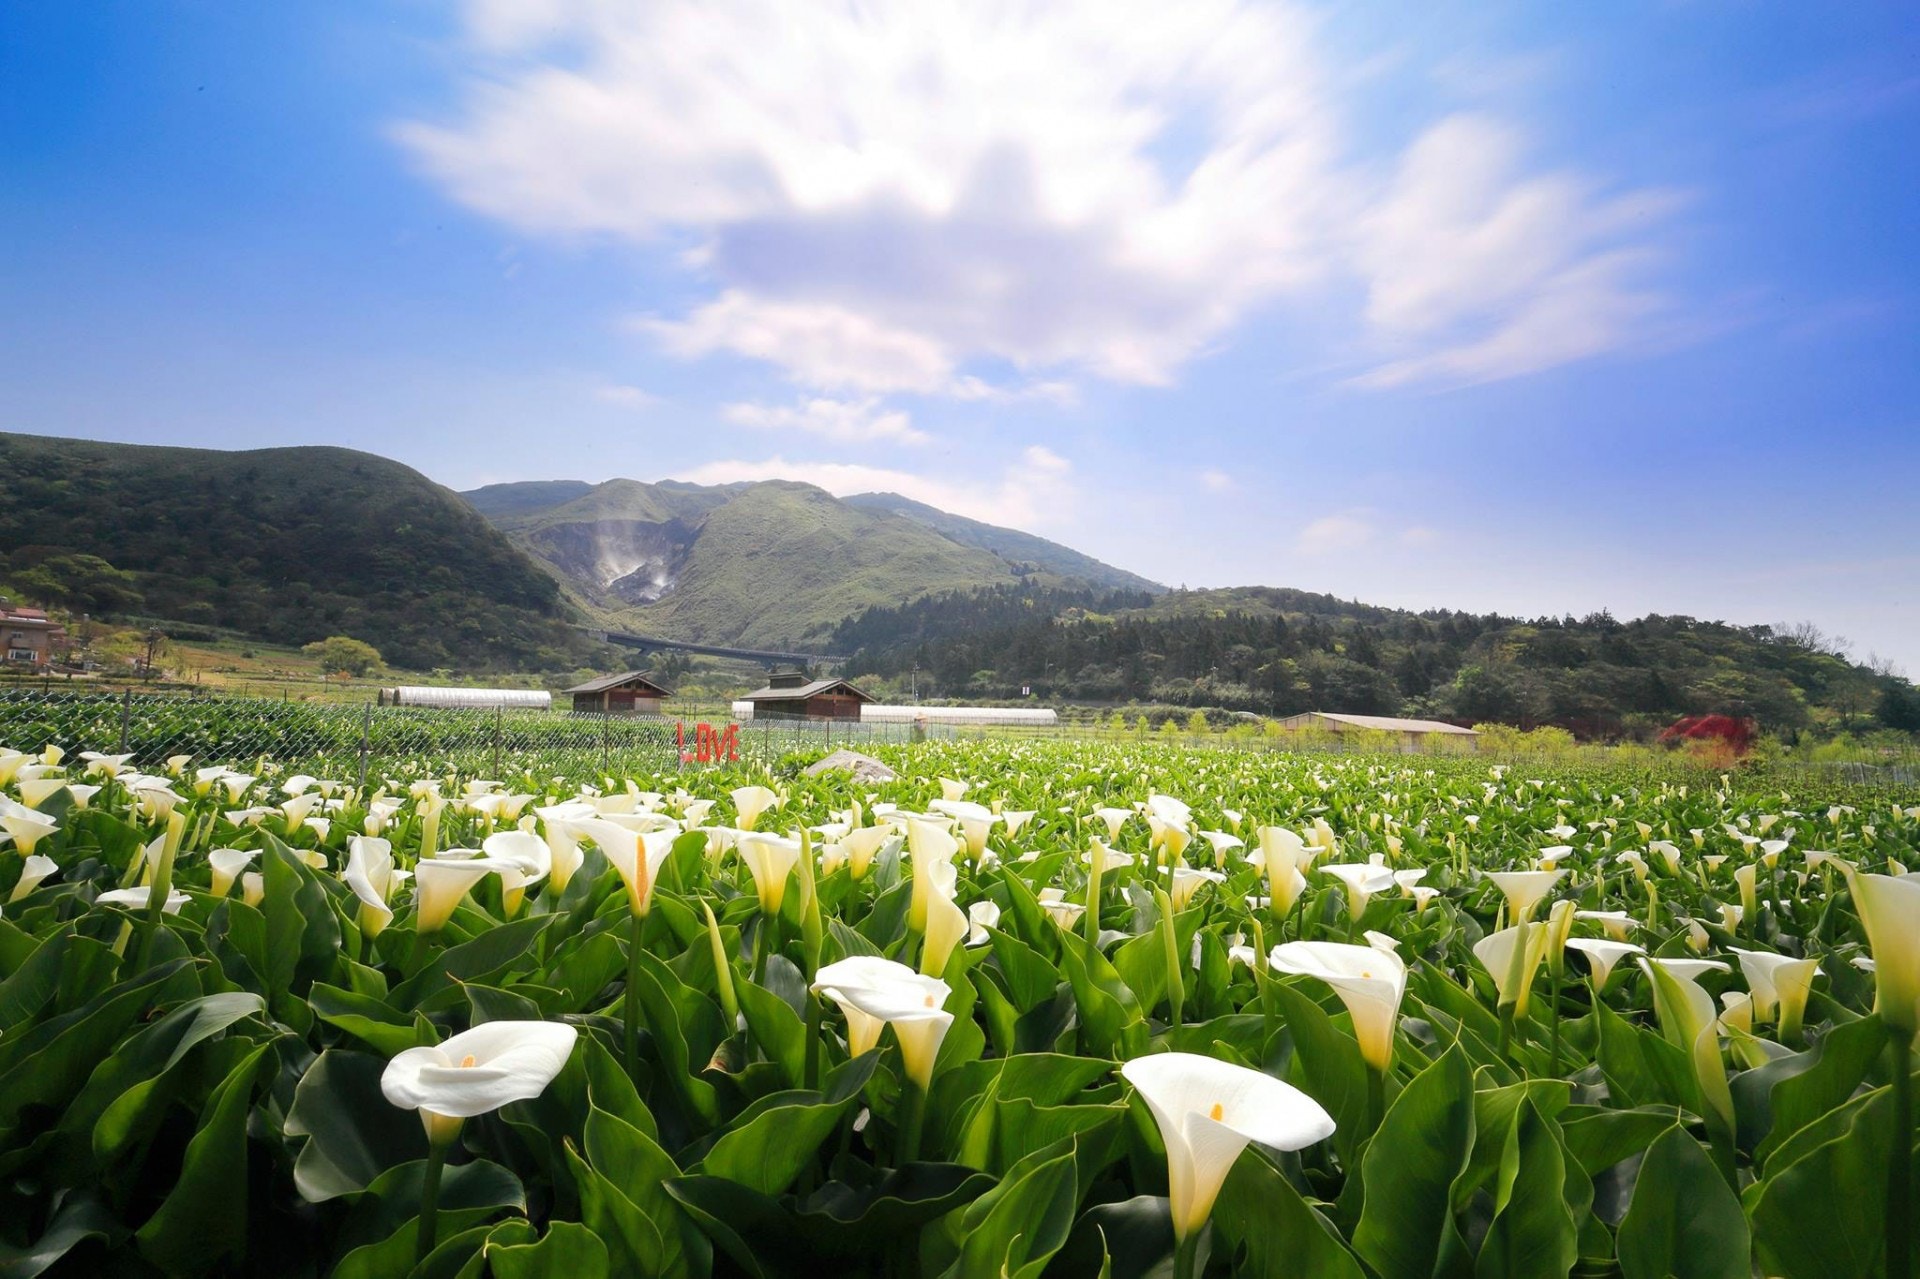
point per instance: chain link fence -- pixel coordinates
(361, 741)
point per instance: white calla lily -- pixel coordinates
(476, 1072)
(33, 872)
(1370, 980)
(1208, 1111)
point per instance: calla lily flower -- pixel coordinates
(1616, 923)
(1207, 1111)
(1186, 881)
(227, 863)
(749, 802)
(370, 875)
(976, 821)
(26, 826)
(253, 888)
(477, 1071)
(929, 845)
(890, 993)
(1890, 912)
(1063, 912)
(946, 928)
(1602, 954)
(1114, 818)
(1016, 820)
(1363, 880)
(635, 856)
(981, 916)
(440, 884)
(1511, 957)
(136, 899)
(1370, 980)
(35, 869)
(861, 845)
(526, 860)
(771, 859)
(35, 791)
(1523, 889)
(1780, 983)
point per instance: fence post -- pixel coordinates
(366, 732)
(606, 742)
(498, 712)
(126, 715)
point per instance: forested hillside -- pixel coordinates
(1279, 652)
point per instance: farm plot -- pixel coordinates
(1029, 1009)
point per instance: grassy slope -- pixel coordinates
(291, 545)
(501, 501)
(1009, 544)
(781, 563)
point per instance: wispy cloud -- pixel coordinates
(894, 198)
(1034, 491)
(1335, 533)
(625, 397)
(841, 421)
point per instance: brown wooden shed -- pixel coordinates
(629, 694)
(790, 694)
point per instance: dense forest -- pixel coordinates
(286, 545)
(1278, 652)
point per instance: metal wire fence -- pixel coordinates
(363, 741)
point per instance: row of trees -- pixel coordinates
(1279, 653)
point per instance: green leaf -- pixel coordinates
(777, 1030)
(1817, 1080)
(384, 1028)
(1598, 1138)
(1533, 1232)
(353, 1133)
(1260, 1211)
(1821, 1214)
(1683, 1219)
(568, 1248)
(204, 1216)
(81, 1217)
(774, 1139)
(1111, 1021)
(1013, 1229)
(1409, 1168)
(634, 1241)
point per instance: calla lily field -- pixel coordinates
(1028, 1009)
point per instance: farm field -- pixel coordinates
(1029, 1008)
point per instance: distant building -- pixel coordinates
(1414, 734)
(31, 636)
(789, 694)
(467, 698)
(629, 694)
(981, 716)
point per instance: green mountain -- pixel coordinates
(1009, 544)
(770, 564)
(287, 544)
(1274, 651)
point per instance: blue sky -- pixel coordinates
(1536, 308)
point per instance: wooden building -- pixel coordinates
(629, 694)
(789, 694)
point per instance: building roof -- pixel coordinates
(802, 692)
(606, 682)
(1390, 724)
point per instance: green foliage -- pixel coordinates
(289, 545)
(341, 655)
(201, 1090)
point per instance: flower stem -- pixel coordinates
(1506, 1029)
(429, 1202)
(1185, 1253)
(810, 1072)
(914, 1100)
(1900, 1220)
(631, 1044)
(1553, 1010)
(1376, 1098)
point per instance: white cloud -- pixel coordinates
(1217, 481)
(842, 421)
(625, 397)
(896, 197)
(1033, 492)
(1484, 272)
(1332, 533)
